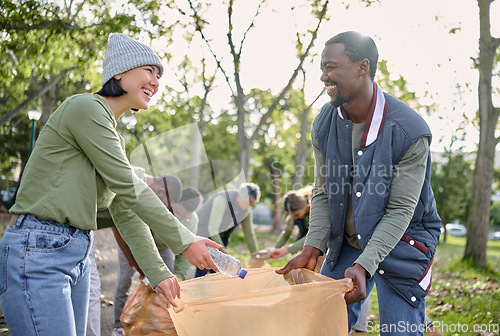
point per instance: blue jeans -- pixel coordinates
(45, 277)
(397, 316)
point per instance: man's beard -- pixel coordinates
(338, 101)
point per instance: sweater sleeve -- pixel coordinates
(182, 266)
(138, 237)
(285, 234)
(96, 136)
(405, 191)
(297, 246)
(249, 232)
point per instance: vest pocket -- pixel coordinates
(426, 279)
(419, 246)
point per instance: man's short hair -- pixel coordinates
(250, 191)
(190, 199)
(358, 47)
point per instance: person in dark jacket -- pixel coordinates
(372, 206)
(297, 207)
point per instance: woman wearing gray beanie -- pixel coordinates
(78, 167)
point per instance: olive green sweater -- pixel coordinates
(79, 166)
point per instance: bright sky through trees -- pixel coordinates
(415, 38)
(430, 43)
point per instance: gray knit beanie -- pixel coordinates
(124, 54)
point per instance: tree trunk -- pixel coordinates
(194, 178)
(304, 148)
(244, 148)
(479, 212)
(245, 142)
(277, 227)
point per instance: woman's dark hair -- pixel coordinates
(294, 202)
(190, 199)
(357, 48)
(111, 89)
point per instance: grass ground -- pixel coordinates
(463, 299)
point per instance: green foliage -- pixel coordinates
(462, 293)
(367, 3)
(451, 183)
(14, 141)
(496, 179)
(220, 140)
(461, 296)
(278, 143)
(495, 213)
(57, 46)
(41, 40)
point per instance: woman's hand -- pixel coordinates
(170, 288)
(278, 253)
(198, 255)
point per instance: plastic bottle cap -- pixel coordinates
(243, 273)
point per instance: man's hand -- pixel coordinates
(198, 255)
(306, 259)
(278, 253)
(170, 288)
(358, 275)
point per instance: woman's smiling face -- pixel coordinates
(141, 84)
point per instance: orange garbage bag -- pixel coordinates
(145, 313)
(264, 303)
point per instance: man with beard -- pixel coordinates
(372, 205)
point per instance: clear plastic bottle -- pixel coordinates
(263, 254)
(227, 264)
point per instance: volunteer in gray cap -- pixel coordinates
(79, 166)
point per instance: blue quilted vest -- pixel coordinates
(407, 267)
